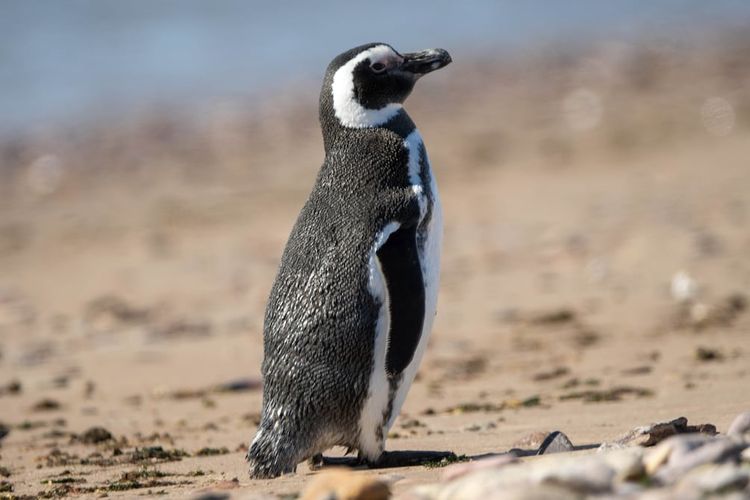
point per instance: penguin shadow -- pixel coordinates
(388, 460)
(555, 442)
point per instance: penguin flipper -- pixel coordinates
(399, 261)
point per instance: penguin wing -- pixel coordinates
(401, 267)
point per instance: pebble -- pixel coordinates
(584, 474)
(345, 484)
(96, 435)
(627, 463)
(740, 425)
(556, 442)
(712, 478)
(652, 434)
(661, 453)
(717, 450)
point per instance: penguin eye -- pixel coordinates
(378, 67)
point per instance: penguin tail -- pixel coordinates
(270, 456)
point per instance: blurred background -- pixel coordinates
(592, 158)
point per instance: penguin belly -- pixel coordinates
(430, 260)
(387, 391)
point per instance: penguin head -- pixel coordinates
(366, 86)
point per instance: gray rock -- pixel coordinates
(716, 451)
(712, 478)
(740, 425)
(511, 482)
(678, 445)
(627, 463)
(583, 474)
(555, 442)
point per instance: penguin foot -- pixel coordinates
(388, 460)
(316, 461)
(319, 461)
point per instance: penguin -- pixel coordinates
(351, 310)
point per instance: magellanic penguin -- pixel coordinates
(353, 303)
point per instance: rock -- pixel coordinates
(656, 458)
(509, 482)
(627, 463)
(455, 471)
(95, 435)
(713, 478)
(740, 425)
(4, 430)
(12, 387)
(650, 435)
(551, 374)
(683, 287)
(716, 451)
(583, 474)
(46, 404)
(660, 454)
(344, 484)
(555, 442)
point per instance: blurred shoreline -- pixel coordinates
(550, 107)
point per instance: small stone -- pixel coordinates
(708, 354)
(12, 387)
(627, 463)
(650, 435)
(656, 458)
(712, 478)
(46, 405)
(556, 442)
(346, 484)
(461, 469)
(683, 287)
(717, 450)
(587, 474)
(494, 483)
(740, 425)
(551, 374)
(676, 445)
(96, 435)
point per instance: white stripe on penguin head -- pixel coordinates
(349, 112)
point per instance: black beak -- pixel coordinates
(421, 63)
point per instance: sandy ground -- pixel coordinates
(132, 309)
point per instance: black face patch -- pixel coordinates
(399, 261)
(376, 90)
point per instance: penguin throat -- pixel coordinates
(349, 112)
